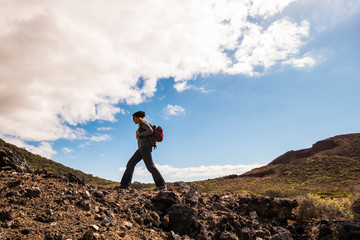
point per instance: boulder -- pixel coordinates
(165, 199)
(33, 192)
(10, 158)
(265, 207)
(183, 220)
(339, 230)
(71, 177)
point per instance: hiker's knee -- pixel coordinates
(130, 165)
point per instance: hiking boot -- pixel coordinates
(122, 187)
(162, 188)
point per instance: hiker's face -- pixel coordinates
(136, 120)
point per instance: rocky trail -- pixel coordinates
(45, 205)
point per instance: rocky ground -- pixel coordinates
(44, 205)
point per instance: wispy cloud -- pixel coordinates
(104, 128)
(194, 173)
(67, 150)
(44, 149)
(173, 110)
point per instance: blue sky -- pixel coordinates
(233, 86)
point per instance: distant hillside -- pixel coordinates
(37, 162)
(330, 167)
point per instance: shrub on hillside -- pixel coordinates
(314, 206)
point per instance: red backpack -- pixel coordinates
(158, 132)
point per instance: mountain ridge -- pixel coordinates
(330, 167)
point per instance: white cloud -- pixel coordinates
(100, 138)
(44, 149)
(266, 47)
(64, 63)
(306, 61)
(104, 128)
(173, 110)
(194, 173)
(67, 150)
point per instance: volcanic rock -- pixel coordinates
(71, 177)
(51, 208)
(10, 158)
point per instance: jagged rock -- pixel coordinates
(14, 160)
(127, 225)
(107, 221)
(5, 215)
(86, 195)
(339, 230)
(71, 177)
(173, 236)
(267, 207)
(284, 234)
(165, 199)
(48, 217)
(14, 184)
(84, 205)
(253, 215)
(230, 223)
(192, 196)
(183, 220)
(98, 194)
(33, 192)
(7, 224)
(95, 227)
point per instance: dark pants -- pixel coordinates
(145, 154)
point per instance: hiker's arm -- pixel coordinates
(148, 131)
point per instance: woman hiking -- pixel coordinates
(144, 134)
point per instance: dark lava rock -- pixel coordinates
(48, 217)
(5, 215)
(33, 192)
(183, 220)
(74, 178)
(14, 184)
(266, 207)
(165, 199)
(84, 205)
(344, 230)
(14, 160)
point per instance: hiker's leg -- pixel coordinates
(146, 156)
(126, 179)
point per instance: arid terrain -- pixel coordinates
(45, 204)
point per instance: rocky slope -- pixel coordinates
(43, 205)
(37, 162)
(50, 206)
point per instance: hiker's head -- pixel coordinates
(138, 117)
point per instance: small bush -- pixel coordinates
(314, 206)
(306, 210)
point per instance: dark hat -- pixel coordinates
(139, 114)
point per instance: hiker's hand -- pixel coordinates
(137, 133)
